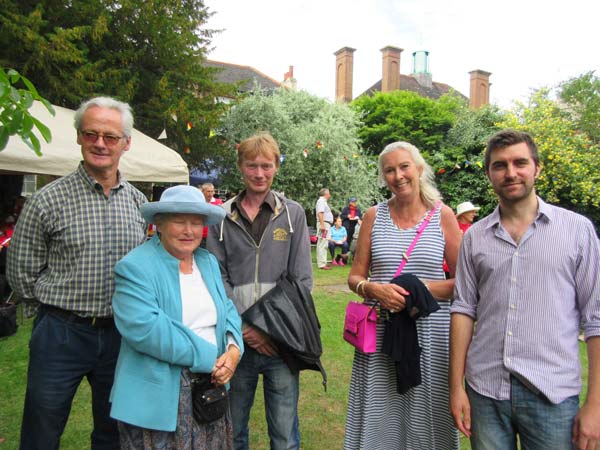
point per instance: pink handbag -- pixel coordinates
(360, 323)
(360, 326)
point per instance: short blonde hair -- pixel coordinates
(260, 144)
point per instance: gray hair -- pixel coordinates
(323, 191)
(111, 103)
(429, 192)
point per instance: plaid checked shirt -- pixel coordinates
(68, 239)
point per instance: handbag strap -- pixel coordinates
(412, 245)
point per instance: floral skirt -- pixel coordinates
(188, 435)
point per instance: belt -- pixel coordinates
(97, 322)
(330, 223)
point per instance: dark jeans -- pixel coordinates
(61, 353)
(281, 390)
(333, 245)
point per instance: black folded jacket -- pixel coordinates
(287, 314)
(400, 339)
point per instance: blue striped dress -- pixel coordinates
(378, 417)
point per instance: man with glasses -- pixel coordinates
(263, 236)
(61, 259)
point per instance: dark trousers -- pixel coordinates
(61, 353)
(332, 247)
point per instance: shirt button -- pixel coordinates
(516, 254)
(513, 279)
(510, 333)
(507, 360)
(512, 306)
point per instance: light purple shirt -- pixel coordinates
(528, 300)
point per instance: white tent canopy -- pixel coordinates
(146, 160)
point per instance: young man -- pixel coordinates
(263, 236)
(61, 258)
(529, 275)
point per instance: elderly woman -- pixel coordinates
(378, 416)
(177, 325)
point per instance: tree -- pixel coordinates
(14, 111)
(460, 175)
(318, 141)
(405, 116)
(148, 54)
(582, 97)
(570, 160)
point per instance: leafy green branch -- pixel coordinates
(15, 117)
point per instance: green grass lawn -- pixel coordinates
(322, 414)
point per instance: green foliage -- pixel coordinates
(405, 116)
(148, 54)
(14, 111)
(459, 165)
(317, 139)
(570, 160)
(582, 97)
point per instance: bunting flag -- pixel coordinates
(163, 135)
(186, 150)
(212, 133)
(305, 152)
(457, 167)
(189, 125)
(281, 159)
(319, 145)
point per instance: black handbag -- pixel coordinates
(209, 402)
(8, 319)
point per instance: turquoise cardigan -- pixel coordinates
(155, 344)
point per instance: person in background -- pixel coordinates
(324, 223)
(351, 217)
(7, 227)
(208, 190)
(66, 243)
(338, 239)
(177, 325)
(263, 236)
(378, 416)
(529, 275)
(465, 215)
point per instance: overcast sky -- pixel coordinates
(525, 44)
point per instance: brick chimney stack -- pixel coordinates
(344, 61)
(390, 80)
(480, 89)
(289, 75)
(288, 79)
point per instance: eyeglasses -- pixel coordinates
(109, 139)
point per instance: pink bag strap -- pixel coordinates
(412, 245)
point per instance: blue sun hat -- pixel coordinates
(183, 200)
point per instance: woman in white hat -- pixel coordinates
(465, 214)
(177, 325)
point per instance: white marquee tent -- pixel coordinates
(147, 159)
